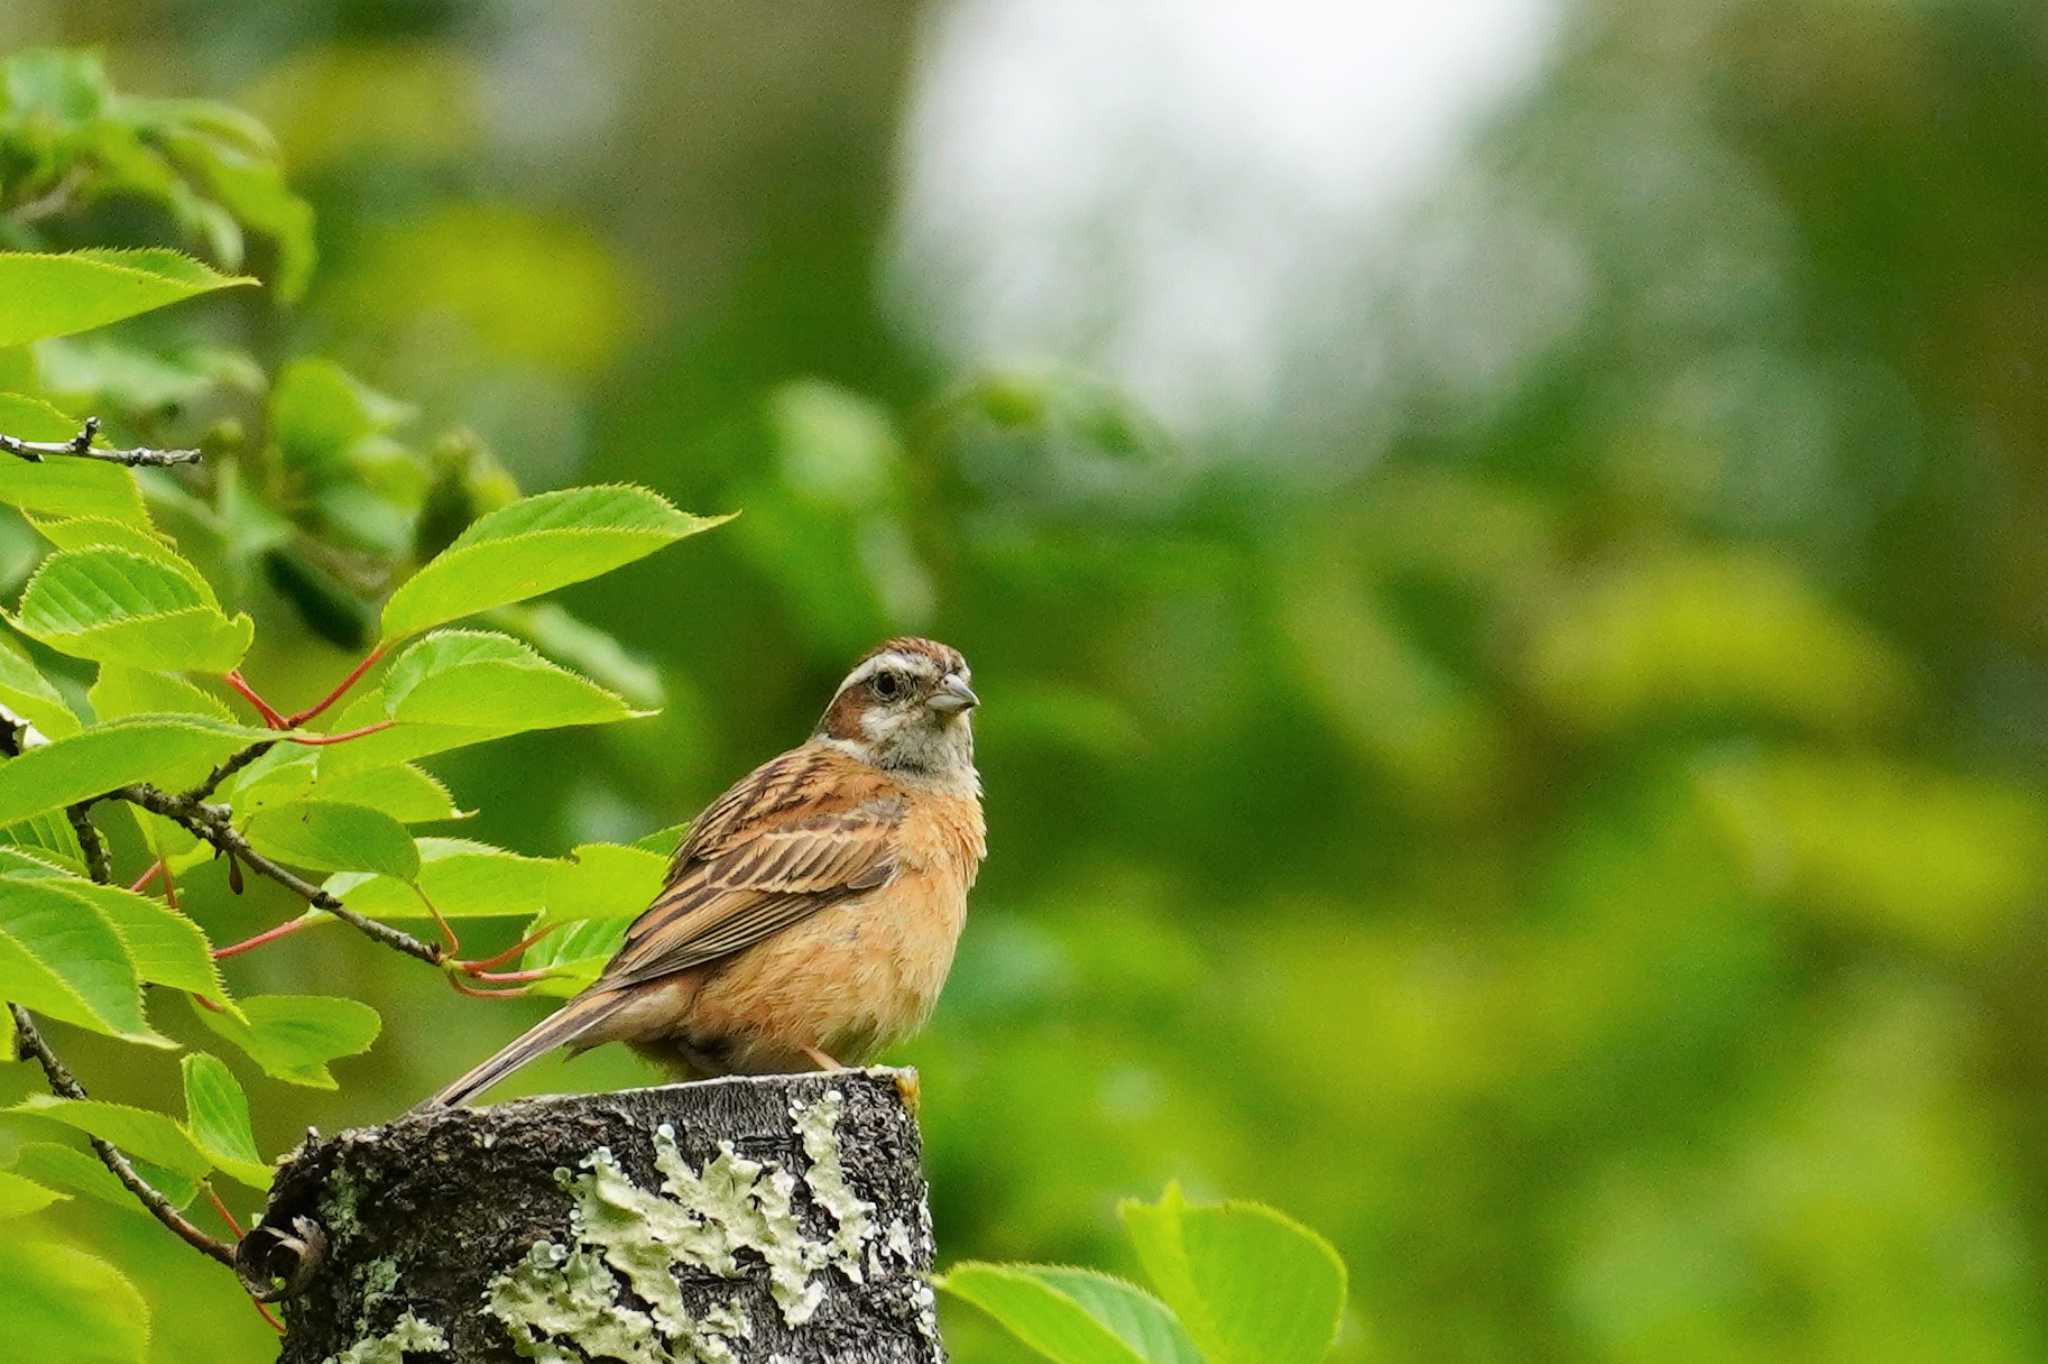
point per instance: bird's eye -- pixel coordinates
(886, 685)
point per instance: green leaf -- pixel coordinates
(331, 836)
(58, 957)
(407, 793)
(318, 411)
(174, 843)
(164, 947)
(490, 681)
(1140, 1320)
(291, 773)
(461, 687)
(251, 186)
(141, 1132)
(74, 1171)
(58, 86)
(1074, 1316)
(170, 750)
(1251, 1285)
(62, 1304)
(121, 692)
(604, 881)
(465, 880)
(574, 955)
(534, 546)
(115, 605)
(19, 1197)
(664, 841)
(591, 651)
(292, 1037)
(55, 295)
(85, 532)
(27, 693)
(217, 1117)
(284, 772)
(101, 373)
(60, 485)
(50, 839)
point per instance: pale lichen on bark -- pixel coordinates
(407, 1334)
(818, 1126)
(699, 1221)
(731, 1222)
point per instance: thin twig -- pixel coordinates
(52, 201)
(220, 1208)
(229, 765)
(492, 963)
(214, 824)
(355, 675)
(235, 762)
(241, 758)
(271, 715)
(65, 1085)
(97, 862)
(80, 447)
(321, 740)
(263, 939)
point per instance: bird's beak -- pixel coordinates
(952, 697)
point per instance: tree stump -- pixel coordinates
(769, 1220)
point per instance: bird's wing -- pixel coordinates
(794, 836)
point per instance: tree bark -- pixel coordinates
(770, 1220)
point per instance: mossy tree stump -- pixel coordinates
(779, 1219)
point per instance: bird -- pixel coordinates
(809, 917)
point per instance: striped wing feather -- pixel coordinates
(793, 836)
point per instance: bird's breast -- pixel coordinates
(943, 834)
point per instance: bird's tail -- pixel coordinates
(572, 1021)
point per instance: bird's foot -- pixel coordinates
(820, 1059)
(909, 1088)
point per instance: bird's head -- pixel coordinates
(905, 707)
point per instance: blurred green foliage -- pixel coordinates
(1568, 827)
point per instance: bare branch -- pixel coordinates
(214, 823)
(97, 862)
(80, 447)
(229, 765)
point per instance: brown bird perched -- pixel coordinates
(811, 912)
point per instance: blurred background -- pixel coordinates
(1502, 548)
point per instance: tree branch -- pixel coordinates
(214, 823)
(97, 862)
(80, 446)
(229, 765)
(65, 1085)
